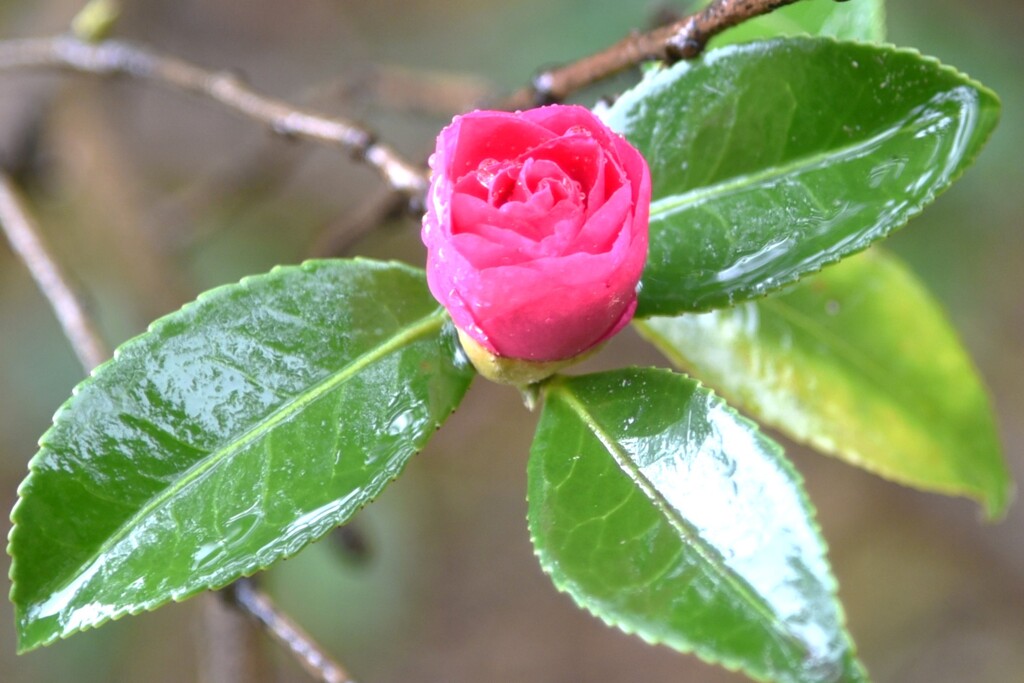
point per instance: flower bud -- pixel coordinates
(536, 233)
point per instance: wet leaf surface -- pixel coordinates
(660, 510)
(232, 434)
(770, 160)
(860, 362)
(860, 20)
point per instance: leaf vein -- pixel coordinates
(398, 340)
(691, 536)
(699, 195)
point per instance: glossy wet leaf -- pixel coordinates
(857, 20)
(660, 510)
(233, 433)
(770, 160)
(860, 362)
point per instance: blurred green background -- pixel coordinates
(150, 197)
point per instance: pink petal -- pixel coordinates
(474, 137)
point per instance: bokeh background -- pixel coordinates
(149, 197)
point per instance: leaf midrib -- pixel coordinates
(401, 338)
(924, 413)
(688, 533)
(868, 368)
(875, 374)
(675, 202)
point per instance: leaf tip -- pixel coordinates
(997, 502)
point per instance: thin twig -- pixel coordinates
(231, 647)
(110, 58)
(28, 243)
(683, 39)
(308, 652)
(118, 58)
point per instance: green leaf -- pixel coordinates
(860, 362)
(858, 20)
(230, 435)
(771, 160)
(660, 510)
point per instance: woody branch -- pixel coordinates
(682, 39)
(114, 58)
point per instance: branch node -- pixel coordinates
(226, 87)
(682, 39)
(362, 145)
(686, 43)
(542, 85)
(417, 205)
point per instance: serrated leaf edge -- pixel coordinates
(829, 582)
(807, 43)
(436, 319)
(995, 504)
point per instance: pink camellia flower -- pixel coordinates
(536, 230)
